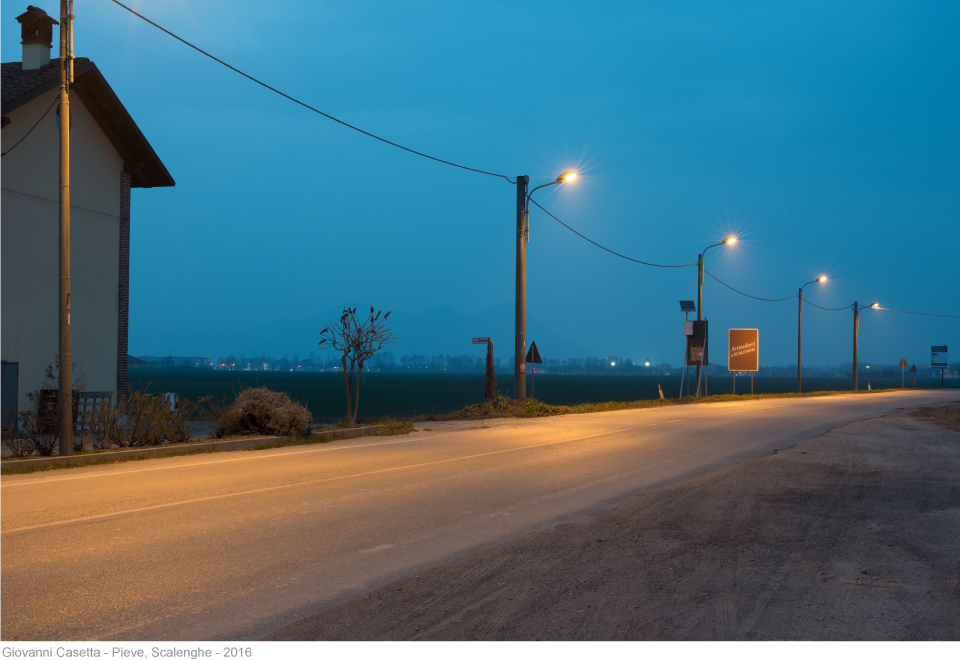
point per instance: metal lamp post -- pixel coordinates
(822, 278)
(727, 241)
(856, 339)
(523, 231)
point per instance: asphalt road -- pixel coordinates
(234, 545)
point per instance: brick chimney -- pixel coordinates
(36, 30)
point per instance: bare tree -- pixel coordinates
(356, 342)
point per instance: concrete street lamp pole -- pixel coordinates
(65, 373)
(727, 241)
(822, 278)
(856, 340)
(523, 232)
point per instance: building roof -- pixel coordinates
(141, 161)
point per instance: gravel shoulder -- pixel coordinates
(854, 535)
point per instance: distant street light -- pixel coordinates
(523, 231)
(727, 241)
(821, 279)
(856, 339)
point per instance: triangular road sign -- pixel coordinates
(533, 355)
(913, 369)
(903, 362)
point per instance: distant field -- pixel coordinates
(408, 395)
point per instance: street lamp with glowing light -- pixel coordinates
(523, 234)
(856, 340)
(729, 240)
(821, 280)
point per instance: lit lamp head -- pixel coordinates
(822, 278)
(875, 305)
(567, 177)
(730, 240)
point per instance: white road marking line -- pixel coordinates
(267, 489)
(377, 549)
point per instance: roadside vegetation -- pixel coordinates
(392, 427)
(141, 420)
(501, 406)
(356, 341)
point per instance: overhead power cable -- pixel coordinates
(305, 105)
(746, 294)
(637, 261)
(53, 201)
(55, 99)
(829, 309)
(946, 316)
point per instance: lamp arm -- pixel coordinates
(530, 194)
(526, 205)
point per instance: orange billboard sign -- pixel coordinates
(743, 348)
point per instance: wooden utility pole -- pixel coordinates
(65, 376)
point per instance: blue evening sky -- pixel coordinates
(823, 134)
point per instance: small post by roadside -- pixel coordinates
(903, 366)
(490, 378)
(913, 372)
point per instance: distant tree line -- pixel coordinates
(387, 362)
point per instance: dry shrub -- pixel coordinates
(259, 411)
(38, 432)
(142, 421)
(24, 434)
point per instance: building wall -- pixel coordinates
(29, 230)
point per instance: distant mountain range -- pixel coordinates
(440, 330)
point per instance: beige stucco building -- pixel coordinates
(108, 156)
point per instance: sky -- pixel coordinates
(822, 134)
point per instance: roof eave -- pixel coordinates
(141, 161)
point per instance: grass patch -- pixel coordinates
(947, 414)
(504, 407)
(393, 427)
(12, 469)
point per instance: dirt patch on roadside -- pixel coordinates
(854, 535)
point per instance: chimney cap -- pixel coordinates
(36, 27)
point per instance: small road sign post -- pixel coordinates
(913, 371)
(903, 366)
(938, 360)
(533, 357)
(743, 353)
